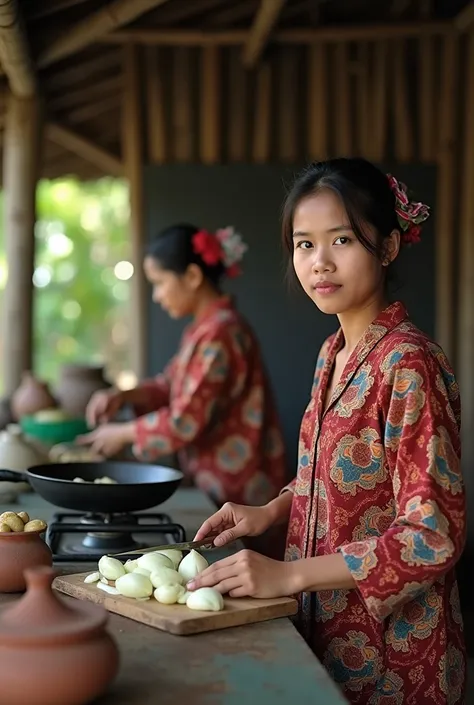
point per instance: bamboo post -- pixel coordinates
(22, 138)
(156, 107)
(317, 91)
(237, 114)
(342, 101)
(426, 104)
(446, 197)
(404, 142)
(210, 134)
(287, 117)
(133, 163)
(261, 140)
(182, 110)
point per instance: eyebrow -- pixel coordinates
(337, 229)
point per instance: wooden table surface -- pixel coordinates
(267, 663)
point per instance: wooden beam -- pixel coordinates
(264, 22)
(156, 127)
(84, 148)
(261, 141)
(14, 51)
(287, 98)
(236, 37)
(447, 189)
(210, 108)
(21, 158)
(237, 133)
(116, 14)
(133, 153)
(182, 105)
(465, 19)
(317, 92)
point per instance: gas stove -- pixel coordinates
(74, 537)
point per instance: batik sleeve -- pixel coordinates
(422, 449)
(155, 391)
(206, 386)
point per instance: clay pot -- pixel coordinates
(31, 396)
(19, 552)
(69, 657)
(17, 454)
(77, 385)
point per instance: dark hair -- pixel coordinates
(364, 191)
(173, 250)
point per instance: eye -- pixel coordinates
(343, 240)
(303, 245)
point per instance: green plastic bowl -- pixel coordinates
(53, 432)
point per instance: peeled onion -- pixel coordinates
(168, 594)
(134, 585)
(153, 561)
(192, 565)
(165, 576)
(111, 568)
(206, 599)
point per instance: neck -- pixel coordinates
(355, 323)
(208, 296)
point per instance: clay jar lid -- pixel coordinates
(42, 617)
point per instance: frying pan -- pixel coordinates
(140, 486)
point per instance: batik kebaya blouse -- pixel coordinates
(379, 481)
(213, 407)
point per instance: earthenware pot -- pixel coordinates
(31, 396)
(76, 386)
(19, 552)
(63, 648)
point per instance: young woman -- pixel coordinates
(377, 513)
(212, 405)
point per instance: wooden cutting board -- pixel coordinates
(179, 619)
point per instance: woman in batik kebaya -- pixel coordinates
(377, 510)
(212, 406)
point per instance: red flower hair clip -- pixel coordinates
(224, 247)
(208, 247)
(410, 214)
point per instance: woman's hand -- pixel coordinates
(108, 440)
(248, 574)
(103, 406)
(233, 521)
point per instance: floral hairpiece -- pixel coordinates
(410, 214)
(225, 247)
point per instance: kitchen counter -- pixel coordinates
(266, 663)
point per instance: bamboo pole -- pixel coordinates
(317, 92)
(236, 37)
(210, 118)
(14, 53)
(116, 14)
(466, 267)
(261, 140)
(426, 104)
(182, 105)
(21, 157)
(237, 113)
(84, 148)
(446, 198)
(288, 105)
(265, 19)
(343, 119)
(156, 107)
(133, 160)
(404, 142)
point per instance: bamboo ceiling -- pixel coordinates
(239, 80)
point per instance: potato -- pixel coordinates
(6, 515)
(35, 525)
(14, 522)
(4, 528)
(24, 517)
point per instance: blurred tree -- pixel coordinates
(81, 277)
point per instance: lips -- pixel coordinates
(326, 288)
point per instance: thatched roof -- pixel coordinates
(75, 47)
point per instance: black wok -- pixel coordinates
(139, 486)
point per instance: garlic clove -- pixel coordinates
(130, 565)
(153, 561)
(92, 577)
(174, 555)
(191, 565)
(134, 585)
(165, 576)
(168, 594)
(206, 599)
(108, 588)
(111, 568)
(141, 571)
(184, 598)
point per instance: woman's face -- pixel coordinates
(335, 270)
(176, 294)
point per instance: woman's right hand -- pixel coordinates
(234, 521)
(103, 406)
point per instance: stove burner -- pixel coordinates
(108, 533)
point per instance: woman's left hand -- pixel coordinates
(108, 440)
(247, 574)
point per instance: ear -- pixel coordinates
(194, 276)
(391, 248)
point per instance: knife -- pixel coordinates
(186, 546)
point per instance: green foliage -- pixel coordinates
(80, 306)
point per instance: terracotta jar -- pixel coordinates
(19, 552)
(69, 657)
(76, 386)
(31, 396)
